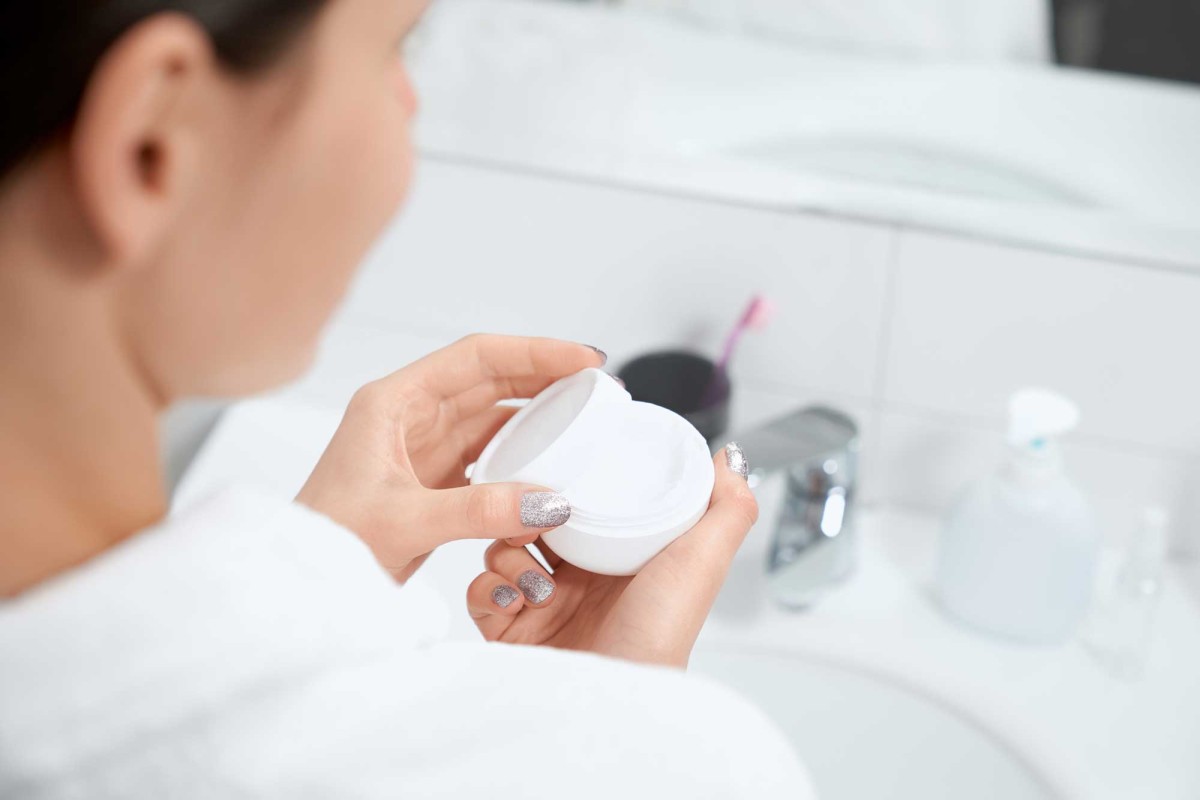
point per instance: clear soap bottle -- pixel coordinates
(1019, 550)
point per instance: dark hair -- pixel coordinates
(48, 49)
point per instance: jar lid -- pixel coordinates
(622, 464)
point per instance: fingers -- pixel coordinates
(552, 558)
(514, 581)
(517, 565)
(733, 509)
(493, 602)
(474, 433)
(503, 363)
(486, 511)
(443, 460)
(486, 394)
(408, 570)
(706, 551)
(684, 579)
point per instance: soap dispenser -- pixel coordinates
(1019, 549)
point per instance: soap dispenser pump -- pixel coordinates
(1019, 549)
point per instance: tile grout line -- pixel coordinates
(883, 341)
(878, 408)
(997, 426)
(1165, 264)
(877, 484)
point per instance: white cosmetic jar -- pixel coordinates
(637, 475)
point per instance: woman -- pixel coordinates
(186, 188)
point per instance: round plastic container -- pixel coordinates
(637, 475)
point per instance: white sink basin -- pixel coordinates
(862, 737)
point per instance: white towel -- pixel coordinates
(251, 648)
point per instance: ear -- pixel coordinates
(134, 148)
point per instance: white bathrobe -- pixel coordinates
(252, 648)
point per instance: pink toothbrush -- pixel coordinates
(757, 316)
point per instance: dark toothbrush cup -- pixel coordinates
(684, 383)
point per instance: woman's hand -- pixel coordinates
(653, 616)
(394, 472)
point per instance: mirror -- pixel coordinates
(1153, 38)
(1066, 124)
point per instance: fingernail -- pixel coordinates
(536, 587)
(736, 459)
(503, 595)
(603, 354)
(544, 510)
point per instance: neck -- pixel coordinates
(79, 466)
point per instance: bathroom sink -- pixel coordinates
(864, 737)
(881, 694)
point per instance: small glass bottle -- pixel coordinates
(1121, 633)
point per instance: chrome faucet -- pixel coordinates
(812, 548)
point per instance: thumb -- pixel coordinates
(732, 512)
(516, 511)
(705, 553)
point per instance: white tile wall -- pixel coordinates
(972, 321)
(920, 337)
(354, 352)
(928, 459)
(628, 270)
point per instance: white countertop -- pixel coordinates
(1094, 735)
(1063, 159)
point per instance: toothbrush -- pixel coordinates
(757, 316)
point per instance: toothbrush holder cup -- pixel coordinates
(685, 383)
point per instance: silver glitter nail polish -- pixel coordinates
(503, 595)
(736, 459)
(603, 354)
(535, 586)
(544, 510)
